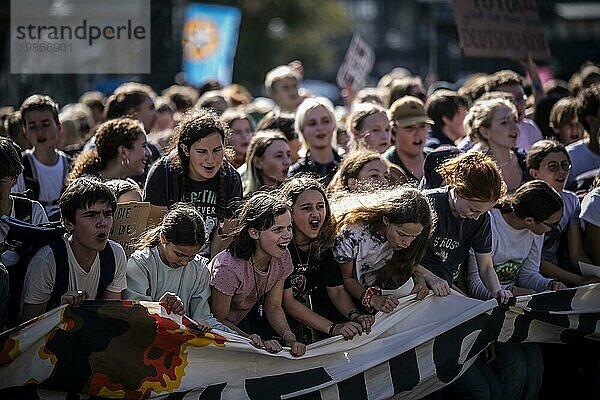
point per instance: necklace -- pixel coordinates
(505, 163)
(261, 297)
(302, 267)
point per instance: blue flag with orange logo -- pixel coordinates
(210, 36)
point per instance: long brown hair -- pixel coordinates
(350, 167)
(110, 135)
(259, 212)
(399, 206)
(291, 190)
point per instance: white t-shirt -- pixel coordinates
(38, 216)
(582, 160)
(516, 255)
(590, 207)
(51, 179)
(529, 133)
(41, 274)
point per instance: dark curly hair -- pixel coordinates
(193, 126)
(109, 137)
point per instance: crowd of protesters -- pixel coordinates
(285, 219)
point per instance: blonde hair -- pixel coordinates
(308, 105)
(277, 74)
(481, 114)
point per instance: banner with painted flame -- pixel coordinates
(135, 350)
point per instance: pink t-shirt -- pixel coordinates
(234, 277)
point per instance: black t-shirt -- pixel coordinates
(453, 237)
(323, 172)
(165, 186)
(312, 277)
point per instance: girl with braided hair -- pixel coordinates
(197, 172)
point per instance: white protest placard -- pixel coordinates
(589, 269)
(500, 29)
(357, 64)
(129, 222)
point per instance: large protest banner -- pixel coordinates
(210, 35)
(135, 350)
(500, 29)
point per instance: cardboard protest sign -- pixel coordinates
(500, 29)
(129, 222)
(357, 64)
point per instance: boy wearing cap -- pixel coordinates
(409, 127)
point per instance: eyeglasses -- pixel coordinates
(552, 226)
(555, 166)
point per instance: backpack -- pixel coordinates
(30, 175)
(26, 240)
(23, 207)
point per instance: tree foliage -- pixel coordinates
(275, 32)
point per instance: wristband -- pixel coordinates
(331, 328)
(367, 295)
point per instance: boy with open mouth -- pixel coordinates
(95, 265)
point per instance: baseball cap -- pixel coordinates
(407, 111)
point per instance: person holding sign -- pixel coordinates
(167, 268)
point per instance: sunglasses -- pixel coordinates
(555, 166)
(552, 226)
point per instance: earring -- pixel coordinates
(124, 162)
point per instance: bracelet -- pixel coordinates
(367, 295)
(331, 328)
(352, 314)
(287, 333)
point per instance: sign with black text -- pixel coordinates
(500, 29)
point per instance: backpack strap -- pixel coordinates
(61, 281)
(171, 184)
(30, 174)
(66, 162)
(107, 269)
(23, 208)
